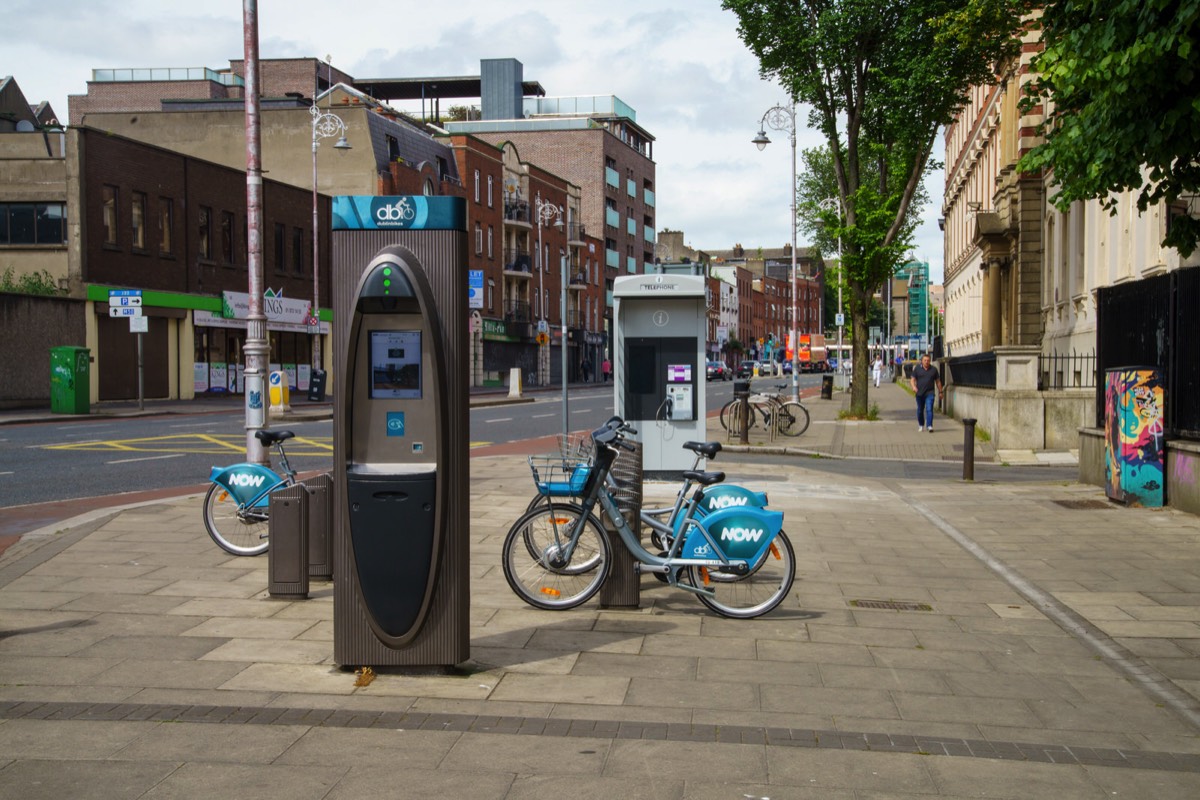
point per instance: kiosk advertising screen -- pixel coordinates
(396, 365)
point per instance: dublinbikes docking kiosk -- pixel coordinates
(658, 352)
(401, 593)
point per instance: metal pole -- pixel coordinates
(316, 305)
(841, 273)
(795, 287)
(968, 449)
(563, 311)
(537, 208)
(141, 381)
(256, 348)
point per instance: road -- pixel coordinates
(99, 462)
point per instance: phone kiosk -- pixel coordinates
(401, 520)
(659, 361)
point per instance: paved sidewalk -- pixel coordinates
(943, 639)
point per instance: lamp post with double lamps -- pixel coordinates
(781, 118)
(545, 214)
(324, 126)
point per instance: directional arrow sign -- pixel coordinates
(125, 311)
(124, 301)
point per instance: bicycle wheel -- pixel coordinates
(752, 595)
(238, 534)
(534, 565)
(793, 419)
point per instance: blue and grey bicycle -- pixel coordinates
(237, 506)
(736, 560)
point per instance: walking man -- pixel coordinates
(877, 369)
(925, 377)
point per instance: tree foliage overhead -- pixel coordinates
(879, 77)
(1122, 78)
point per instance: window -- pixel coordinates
(393, 146)
(491, 183)
(280, 247)
(110, 215)
(477, 185)
(478, 239)
(137, 220)
(226, 237)
(429, 189)
(205, 242)
(166, 225)
(490, 251)
(298, 251)
(33, 223)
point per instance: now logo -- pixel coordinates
(726, 502)
(741, 534)
(247, 480)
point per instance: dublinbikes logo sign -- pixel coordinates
(410, 212)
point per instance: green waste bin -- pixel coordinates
(70, 379)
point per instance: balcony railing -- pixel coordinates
(578, 280)
(631, 226)
(649, 197)
(612, 258)
(611, 177)
(612, 217)
(648, 233)
(631, 264)
(516, 259)
(631, 187)
(517, 212)
(576, 231)
(517, 311)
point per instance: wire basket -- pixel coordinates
(576, 447)
(556, 476)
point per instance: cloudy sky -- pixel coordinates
(679, 63)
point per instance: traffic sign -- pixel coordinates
(124, 292)
(839, 319)
(125, 311)
(123, 301)
(139, 324)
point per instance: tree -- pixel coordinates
(880, 77)
(1119, 82)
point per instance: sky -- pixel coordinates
(679, 63)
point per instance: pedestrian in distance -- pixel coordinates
(877, 369)
(925, 378)
(606, 368)
(586, 368)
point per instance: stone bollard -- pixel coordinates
(514, 382)
(968, 449)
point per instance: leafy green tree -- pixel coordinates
(1120, 82)
(879, 77)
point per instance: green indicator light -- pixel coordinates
(387, 270)
(386, 282)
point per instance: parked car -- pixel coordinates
(717, 370)
(786, 367)
(766, 368)
(746, 369)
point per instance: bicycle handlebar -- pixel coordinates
(612, 433)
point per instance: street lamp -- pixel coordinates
(324, 126)
(835, 204)
(546, 211)
(783, 119)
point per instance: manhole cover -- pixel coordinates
(891, 605)
(1080, 505)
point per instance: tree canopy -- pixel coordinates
(879, 78)
(1121, 82)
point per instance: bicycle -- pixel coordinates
(237, 506)
(789, 416)
(737, 560)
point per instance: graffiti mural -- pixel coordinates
(1133, 420)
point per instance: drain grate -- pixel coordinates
(891, 605)
(1082, 505)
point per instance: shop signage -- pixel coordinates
(497, 331)
(368, 212)
(276, 307)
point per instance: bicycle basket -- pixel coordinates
(555, 476)
(575, 447)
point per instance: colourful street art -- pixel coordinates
(1133, 418)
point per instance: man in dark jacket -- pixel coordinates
(925, 378)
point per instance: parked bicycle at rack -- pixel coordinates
(770, 410)
(737, 560)
(237, 508)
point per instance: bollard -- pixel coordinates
(826, 387)
(514, 382)
(741, 392)
(968, 449)
(622, 588)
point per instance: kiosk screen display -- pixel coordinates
(396, 365)
(679, 373)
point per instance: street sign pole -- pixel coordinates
(141, 382)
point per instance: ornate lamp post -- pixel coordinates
(324, 126)
(545, 212)
(783, 119)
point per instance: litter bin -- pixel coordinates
(826, 387)
(316, 386)
(70, 379)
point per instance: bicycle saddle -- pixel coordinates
(704, 478)
(706, 449)
(269, 438)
